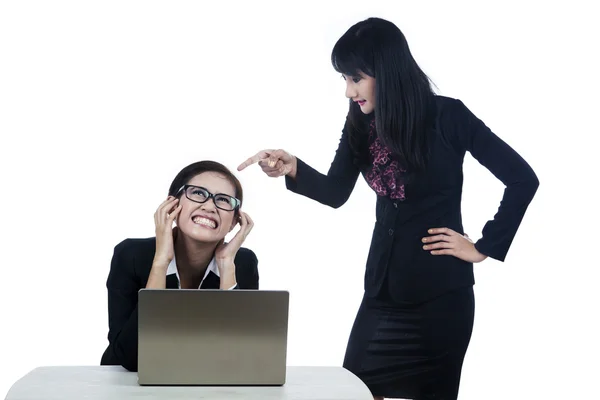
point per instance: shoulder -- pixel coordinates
(135, 247)
(246, 268)
(246, 257)
(132, 260)
(455, 121)
(449, 109)
(453, 113)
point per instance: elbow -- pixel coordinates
(129, 362)
(338, 201)
(336, 204)
(527, 186)
(532, 185)
(115, 356)
(533, 180)
(130, 366)
(338, 193)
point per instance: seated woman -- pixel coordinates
(204, 202)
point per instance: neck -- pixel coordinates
(192, 256)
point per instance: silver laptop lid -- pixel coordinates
(212, 337)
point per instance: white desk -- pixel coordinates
(111, 383)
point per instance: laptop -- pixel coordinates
(212, 337)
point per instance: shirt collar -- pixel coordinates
(212, 267)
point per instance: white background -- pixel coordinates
(102, 103)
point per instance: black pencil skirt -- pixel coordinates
(412, 351)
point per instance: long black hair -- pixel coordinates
(403, 93)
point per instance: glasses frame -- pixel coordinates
(212, 196)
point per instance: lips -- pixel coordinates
(361, 102)
(206, 221)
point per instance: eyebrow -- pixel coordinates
(211, 191)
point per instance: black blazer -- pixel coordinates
(129, 271)
(396, 262)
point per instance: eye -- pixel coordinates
(200, 192)
(356, 79)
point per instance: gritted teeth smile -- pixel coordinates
(205, 222)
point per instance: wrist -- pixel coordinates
(294, 170)
(161, 264)
(480, 256)
(225, 264)
(227, 277)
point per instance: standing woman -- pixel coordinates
(414, 324)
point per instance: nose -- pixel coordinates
(350, 90)
(209, 205)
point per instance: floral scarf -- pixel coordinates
(385, 174)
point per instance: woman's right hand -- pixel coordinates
(163, 219)
(274, 163)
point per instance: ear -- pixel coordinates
(236, 220)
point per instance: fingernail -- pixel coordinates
(424, 239)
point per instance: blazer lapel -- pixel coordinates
(172, 282)
(212, 281)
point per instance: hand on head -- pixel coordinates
(164, 217)
(226, 252)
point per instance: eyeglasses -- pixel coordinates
(201, 195)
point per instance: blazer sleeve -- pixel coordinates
(509, 167)
(123, 287)
(332, 189)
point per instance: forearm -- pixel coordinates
(158, 276)
(125, 344)
(332, 189)
(227, 272)
(499, 232)
(123, 327)
(510, 168)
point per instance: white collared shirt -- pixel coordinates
(212, 267)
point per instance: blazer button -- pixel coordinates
(391, 232)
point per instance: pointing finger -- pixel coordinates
(254, 159)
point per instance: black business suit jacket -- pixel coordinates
(396, 261)
(129, 271)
